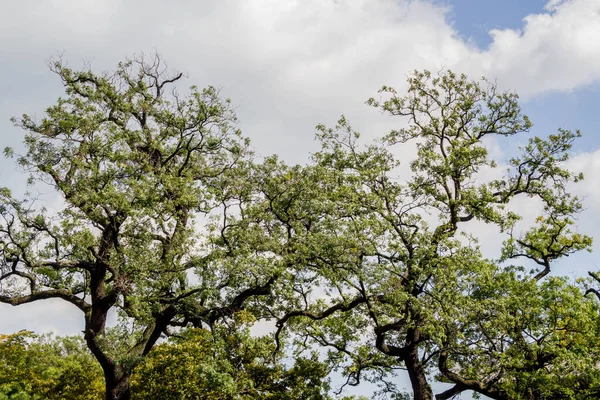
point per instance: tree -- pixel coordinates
(226, 364)
(391, 277)
(341, 253)
(137, 167)
(543, 346)
(41, 367)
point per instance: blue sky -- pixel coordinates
(475, 18)
(291, 64)
(576, 109)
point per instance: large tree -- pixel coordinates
(137, 168)
(392, 278)
(344, 253)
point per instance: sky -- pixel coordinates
(288, 65)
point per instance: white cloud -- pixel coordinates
(54, 315)
(555, 50)
(589, 165)
(291, 64)
(589, 191)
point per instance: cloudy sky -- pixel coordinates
(290, 64)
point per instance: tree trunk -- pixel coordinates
(416, 373)
(118, 388)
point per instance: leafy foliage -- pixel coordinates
(167, 219)
(226, 365)
(198, 364)
(137, 167)
(395, 281)
(34, 367)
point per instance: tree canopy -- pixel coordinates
(42, 367)
(368, 265)
(198, 364)
(138, 168)
(393, 278)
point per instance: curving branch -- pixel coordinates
(596, 277)
(342, 307)
(462, 384)
(48, 294)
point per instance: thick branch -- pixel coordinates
(315, 316)
(450, 393)
(471, 384)
(47, 294)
